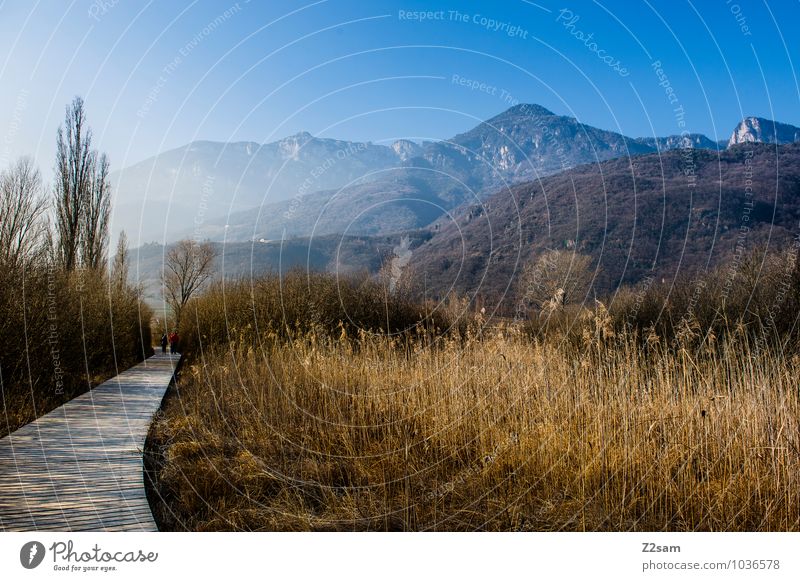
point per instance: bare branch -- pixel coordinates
(187, 267)
(22, 207)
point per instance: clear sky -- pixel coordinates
(156, 75)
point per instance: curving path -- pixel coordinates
(79, 468)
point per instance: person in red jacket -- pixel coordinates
(173, 342)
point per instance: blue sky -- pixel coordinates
(156, 75)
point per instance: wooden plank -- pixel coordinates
(80, 467)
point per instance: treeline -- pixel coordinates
(68, 318)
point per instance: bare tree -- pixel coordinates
(83, 194)
(188, 265)
(21, 213)
(95, 216)
(556, 278)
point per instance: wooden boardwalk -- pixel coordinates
(79, 468)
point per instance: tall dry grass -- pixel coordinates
(491, 431)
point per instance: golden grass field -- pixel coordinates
(491, 430)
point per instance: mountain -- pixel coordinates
(635, 221)
(529, 141)
(758, 130)
(523, 143)
(304, 185)
(180, 190)
(638, 222)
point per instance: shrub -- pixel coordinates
(299, 302)
(756, 295)
(62, 334)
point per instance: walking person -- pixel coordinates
(164, 342)
(173, 342)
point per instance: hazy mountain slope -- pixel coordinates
(193, 190)
(182, 189)
(405, 199)
(634, 221)
(525, 142)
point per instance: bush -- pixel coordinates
(757, 296)
(574, 427)
(297, 303)
(62, 334)
(499, 433)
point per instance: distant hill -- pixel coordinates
(341, 254)
(401, 200)
(635, 221)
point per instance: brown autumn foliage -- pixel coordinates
(298, 422)
(637, 218)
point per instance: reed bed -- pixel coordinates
(488, 430)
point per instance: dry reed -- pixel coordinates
(490, 432)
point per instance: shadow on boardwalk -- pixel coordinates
(79, 468)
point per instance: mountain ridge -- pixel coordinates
(214, 189)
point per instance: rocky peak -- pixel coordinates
(528, 141)
(527, 110)
(759, 130)
(301, 136)
(406, 149)
(290, 146)
(523, 113)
